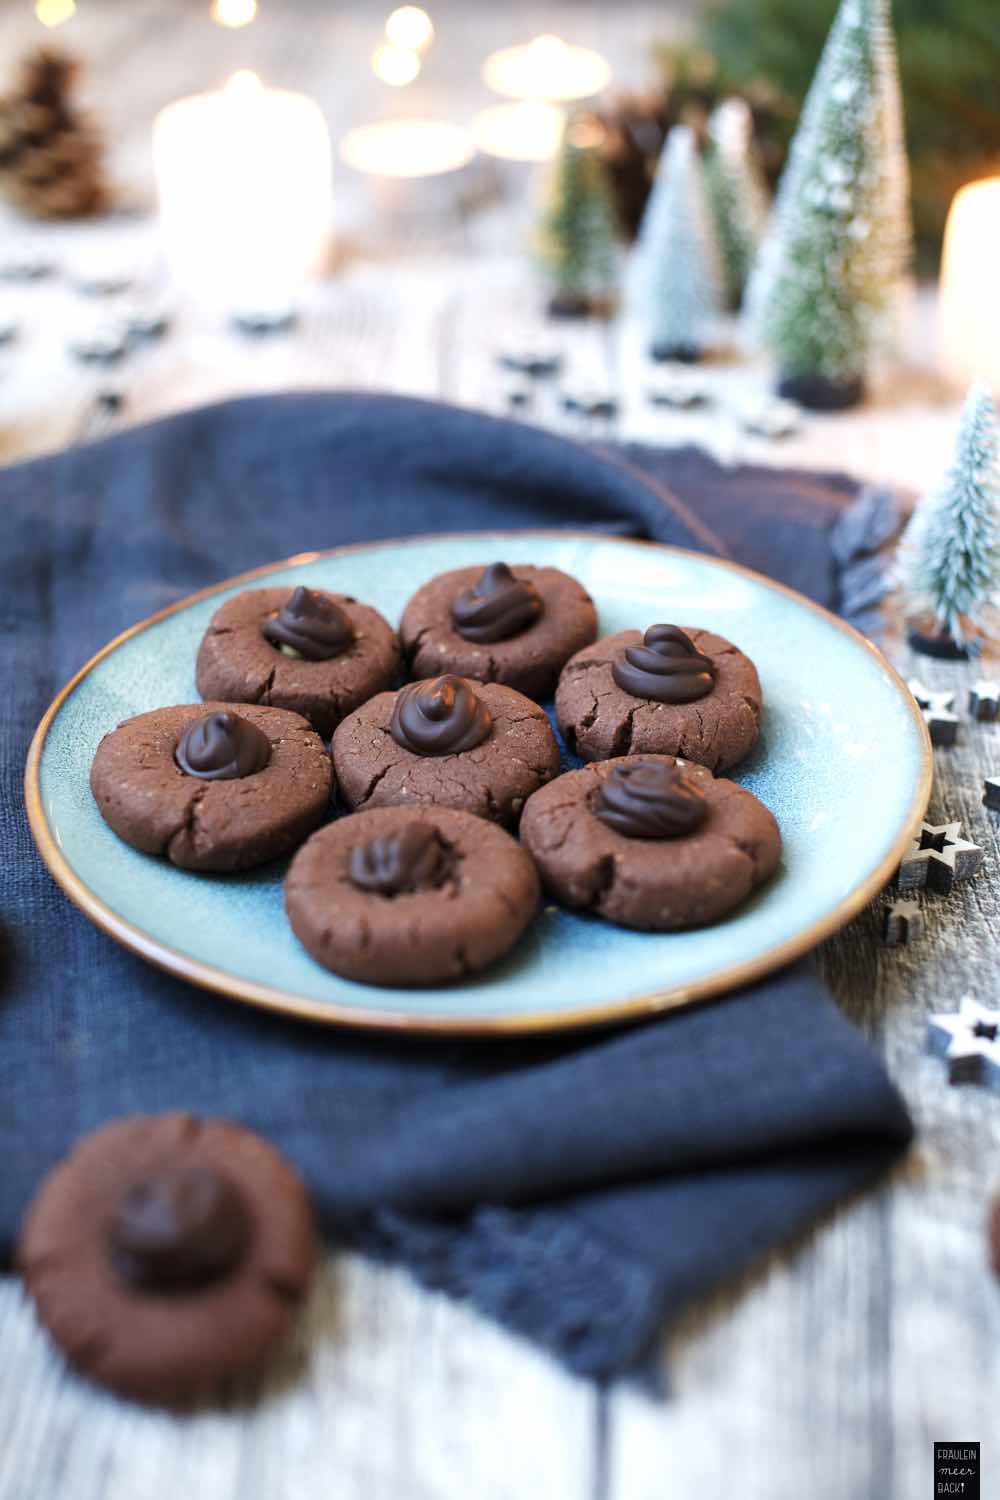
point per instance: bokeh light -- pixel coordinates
(409, 27)
(55, 12)
(233, 13)
(396, 65)
(546, 68)
(527, 131)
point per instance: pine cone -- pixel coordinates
(632, 130)
(51, 157)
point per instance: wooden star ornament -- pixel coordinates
(969, 1041)
(937, 857)
(903, 923)
(984, 700)
(937, 711)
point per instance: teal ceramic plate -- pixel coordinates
(844, 763)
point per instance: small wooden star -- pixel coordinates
(991, 793)
(591, 404)
(937, 711)
(104, 344)
(539, 363)
(772, 418)
(903, 924)
(676, 386)
(937, 857)
(969, 1041)
(984, 700)
(520, 397)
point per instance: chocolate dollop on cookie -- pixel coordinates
(415, 859)
(439, 717)
(497, 607)
(311, 625)
(182, 1227)
(650, 800)
(667, 667)
(222, 747)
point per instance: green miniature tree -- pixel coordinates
(821, 294)
(737, 193)
(577, 237)
(951, 551)
(677, 258)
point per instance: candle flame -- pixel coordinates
(233, 13)
(409, 27)
(55, 12)
(396, 65)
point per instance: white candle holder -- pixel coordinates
(244, 178)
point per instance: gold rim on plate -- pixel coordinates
(608, 1012)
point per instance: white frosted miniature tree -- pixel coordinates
(951, 551)
(737, 193)
(677, 280)
(823, 289)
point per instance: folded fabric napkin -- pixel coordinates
(581, 1189)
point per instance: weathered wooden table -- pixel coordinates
(830, 1370)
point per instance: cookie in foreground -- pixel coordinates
(517, 625)
(410, 896)
(672, 691)
(167, 1256)
(213, 786)
(650, 842)
(319, 654)
(448, 742)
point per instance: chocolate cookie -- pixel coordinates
(410, 896)
(673, 691)
(213, 786)
(448, 742)
(498, 624)
(319, 654)
(650, 842)
(166, 1255)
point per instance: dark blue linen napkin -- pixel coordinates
(580, 1189)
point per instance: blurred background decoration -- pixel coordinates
(51, 155)
(613, 167)
(949, 58)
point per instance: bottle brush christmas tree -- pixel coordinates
(737, 193)
(50, 156)
(677, 270)
(950, 553)
(577, 236)
(821, 294)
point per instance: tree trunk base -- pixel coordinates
(816, 393)
(682, 354)
(941, 645)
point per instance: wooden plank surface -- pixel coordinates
(829, 1371)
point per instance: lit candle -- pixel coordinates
(529, 130)
(970, 286)
(407, 148)
(547, 68)
(244, 177)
